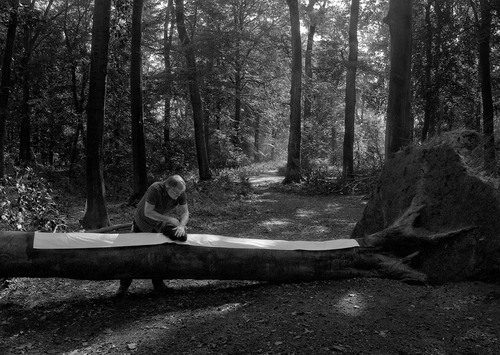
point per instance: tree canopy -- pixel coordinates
(240, 54)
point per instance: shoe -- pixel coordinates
(123, 289)
(122, 292)
(161, 289)
(159, 286)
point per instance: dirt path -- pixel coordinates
(360, 316)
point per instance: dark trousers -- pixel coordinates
(125, 283)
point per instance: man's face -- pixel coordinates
(175, 192)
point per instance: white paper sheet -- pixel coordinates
(96, 240)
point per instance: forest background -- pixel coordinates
(203, 89)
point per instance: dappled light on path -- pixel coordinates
(270, 212)
(351, 304)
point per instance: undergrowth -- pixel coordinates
(26, 203)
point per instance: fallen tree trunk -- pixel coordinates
(172, 260)
(224, 259)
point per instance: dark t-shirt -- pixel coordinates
(157, 195)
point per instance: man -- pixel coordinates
(155, 213)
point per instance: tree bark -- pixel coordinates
(183, 261)
(78, 103)
(5, 80)
(308, 60)
(167, 47)
(429, 126)
(78, 90)
(257, 154)
(140, 184)
(486, 94)
(350, 94)
(238, 66)
(293, 173)
(96, 214)
(194, 93)
(30, 41)
(399, 130)
(25, 127)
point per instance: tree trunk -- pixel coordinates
(194, 93)
(78, 91)
(399, 130)
(238, 28)
(294, 140)
(25, 128)
(174, 261)
(140, 184)
(96, 214)
(237, 139)
(78, 103)
(225, 258)
(428, 129)
(487, 99)
(5, 80)
(350, 94)
(167, 46)
(31, 34)
(257, 154)
(308, 62)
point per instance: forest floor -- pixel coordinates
(356, 316)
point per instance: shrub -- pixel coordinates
(26, 203)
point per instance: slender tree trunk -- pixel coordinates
(137, 111)
(30, 38)
(194, 93)
(437, 103)
(237, 105)
(350, 94)
(399, 130)
(74, 147)
(25, 128)
(78, 91)
(96, 214)
(428, 128)
(78, 103)
(309, 131)
(333, 145)
(294, 140)
(256, 145)
(167, 47)
(308, 72)
(238, 28)
(487, 98)
(5, 80)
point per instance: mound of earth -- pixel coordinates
(451, 194)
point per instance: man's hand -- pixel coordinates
(175, 232)
(180, 230)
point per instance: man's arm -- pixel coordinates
(184, 211)
(149, 211)
(181, 228)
